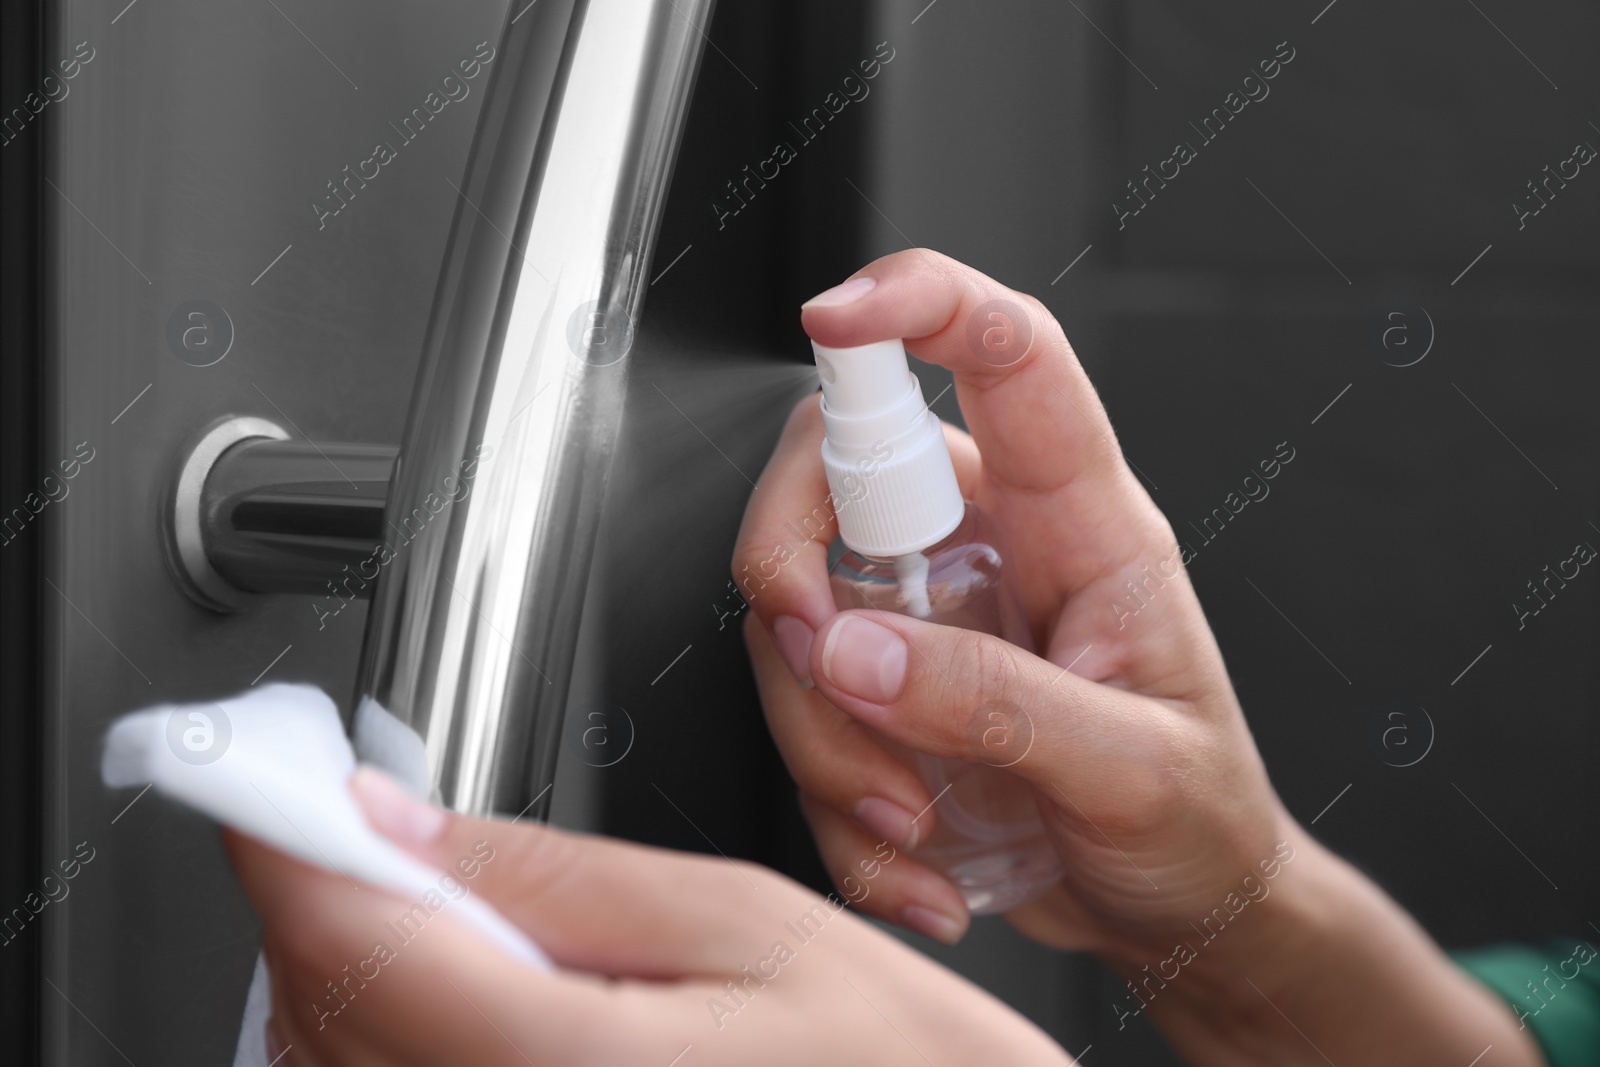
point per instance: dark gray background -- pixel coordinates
(1396, 141)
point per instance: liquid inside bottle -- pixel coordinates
(988, 837)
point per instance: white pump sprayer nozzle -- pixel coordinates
(894, 487)
(863, 380)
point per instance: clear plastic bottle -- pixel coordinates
(914, 547)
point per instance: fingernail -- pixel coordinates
(865, 659)
(843, 293)
(391, 812)
(932, 923)
(793, 639)
(274, 1045)
(889, 821)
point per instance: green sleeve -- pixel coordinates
(1554, 988)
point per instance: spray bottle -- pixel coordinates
(915, 547)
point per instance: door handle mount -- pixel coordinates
(252, 512)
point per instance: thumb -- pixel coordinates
(592, 903)
(972, 696)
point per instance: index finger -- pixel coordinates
(1027, 401)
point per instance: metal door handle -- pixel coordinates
(487, 534)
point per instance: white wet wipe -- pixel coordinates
(273, 763)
